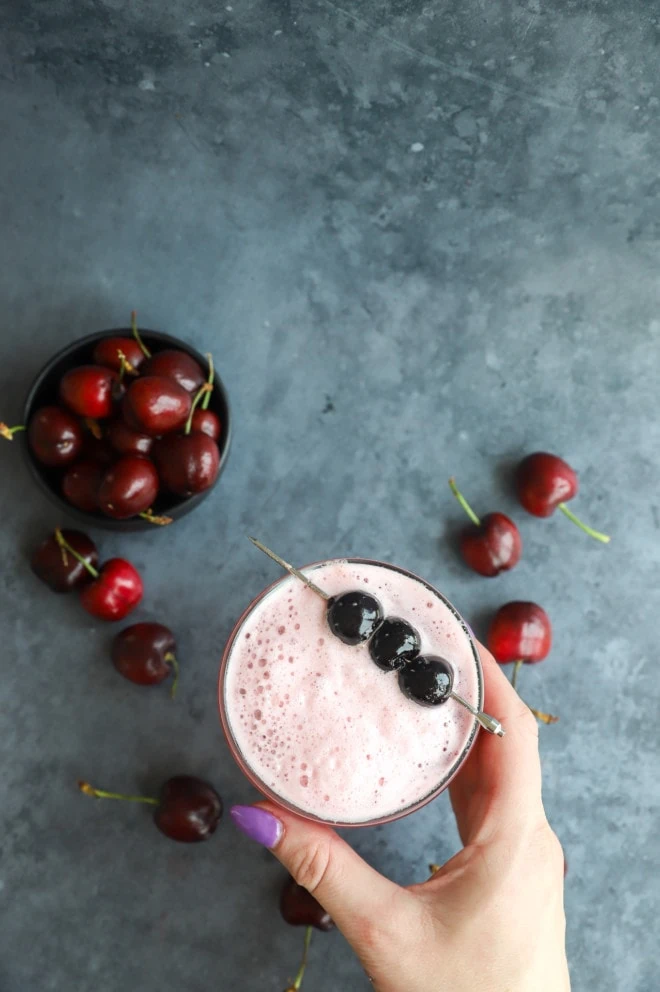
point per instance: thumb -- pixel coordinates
(318, 859)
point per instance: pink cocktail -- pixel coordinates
(317, 726)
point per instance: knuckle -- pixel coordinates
(310, 865)
(528, 722)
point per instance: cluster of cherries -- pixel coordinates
(394, 645)
(127, 427)
(520, 631)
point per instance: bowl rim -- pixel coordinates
(97, 520)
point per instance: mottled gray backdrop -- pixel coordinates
(421, 239)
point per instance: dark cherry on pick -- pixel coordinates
(354, 616)
(299, 908)
(139, 653)
(393, 644)
(427, 680)
(54, 436)
(62, 572)
(189, 809)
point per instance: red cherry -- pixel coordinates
(88, 391)
(177, 365)
(188, 809)
(206, 422)
(58, 568)
(490, 545)
(544, 483)
(128, 488)
(126, 441)
(116, 590)
(145, 654)
(520, 632)
(187, 463)
(156, 405)
(107, 353)
(80, 485)
(54, 436)
(299, 908)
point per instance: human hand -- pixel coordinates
(492, 918)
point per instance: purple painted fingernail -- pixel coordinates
(257, 824)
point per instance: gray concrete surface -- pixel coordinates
(420, 239)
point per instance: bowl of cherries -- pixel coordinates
(126, 429)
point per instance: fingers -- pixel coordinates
(346, 886)
(501, 780)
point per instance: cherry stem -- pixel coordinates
(207, 388)
(434, 869)
(125, 365)
(94, 428)
(65, 546)
(209, 382)
(596, 534)
(152, 518)
(89, 790)
(516, 668)
(464, 503)
(297, 982)
(170, 658)
(8, 432)
(136, 334)
(544, 717)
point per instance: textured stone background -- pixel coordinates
(421, 239)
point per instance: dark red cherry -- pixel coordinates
(187, 463)
(80, 485)
(545, 482)
(156, 405)
(127, 441)
(427, 680)
(145, 654)
(177, 365)
(128, 487)
(206, 422)
(58, 568)
(107, 353)
(489, 545)
(54, 436)
(299, 908)
(520, 631)
(354, 616)
(88, 391)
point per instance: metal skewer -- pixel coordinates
(489, 723)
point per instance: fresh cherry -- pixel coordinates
(97, 449)
(299, 908)
(117, 587)
(544, 483)
(187, 463)
(54, 436)
(80, 485)
(427, 680)
(128, 488)
(88, 391)
(188, 809)
(393, 644)
(145, 654)
(156, 405)
(520, 631)
(176, 365)
(58, 568)
(127, 441)
(489, 545)
(206, 422)
(354, 616)
(108, 352)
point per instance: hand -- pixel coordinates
(492, 918)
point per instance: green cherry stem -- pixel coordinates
(89, 790)
(207, 388)
(136, 334)
(170, 658)
(464, 503)
(8, 432)
(209, 382)
(297, 982)
(596, 534)
(67, 549)
(152, 518)
(516, 668)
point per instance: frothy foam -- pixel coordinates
(320, 724)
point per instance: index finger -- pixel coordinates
(501, 780)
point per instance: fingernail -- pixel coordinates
(257, 824)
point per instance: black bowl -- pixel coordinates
(43, 392)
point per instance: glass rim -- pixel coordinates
(270, 793)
